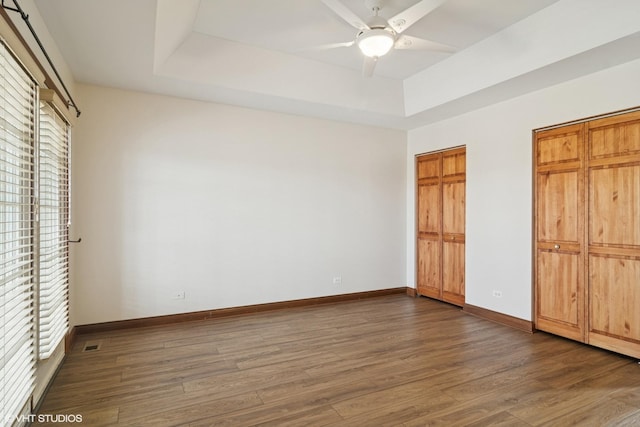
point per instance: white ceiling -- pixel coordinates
(255, 52)
(290, 26)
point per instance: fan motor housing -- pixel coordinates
(378, 22)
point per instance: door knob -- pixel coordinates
(556, 246)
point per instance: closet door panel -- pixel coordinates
(453, 225)
(614, 290)
(428, 167)
(558, 206)
(614, 233)
(429, 268)
(554, 147)
(453, 207)
(453, 272)
(429, 208)
(429, 223)
(615, 136)
(454, 162)
(559, 230)
(614, 206)
(560, 148)
(559, 294)
(428, 248)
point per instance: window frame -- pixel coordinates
(37, 370)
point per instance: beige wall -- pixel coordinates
(230, 205)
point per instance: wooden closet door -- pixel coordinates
(440, 194)
(614, 233)
(559, 230)
(453, 225)
(429, 224)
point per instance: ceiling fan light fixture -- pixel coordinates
(376, 42)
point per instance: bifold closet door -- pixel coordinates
(614, 233)
(587, 245)
(440, 193)
(559, 285)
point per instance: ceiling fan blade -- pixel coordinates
(413, 14)
(369, 65)
(329, 46)
(345, 13)
(415, 43)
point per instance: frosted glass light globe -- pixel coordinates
(375, 43)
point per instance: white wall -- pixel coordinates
(232, 206)
(499, 178)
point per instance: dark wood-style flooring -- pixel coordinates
(391, 360)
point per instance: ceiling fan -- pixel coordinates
(377, 36)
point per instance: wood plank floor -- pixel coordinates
(391, 360)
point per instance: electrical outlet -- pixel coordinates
(178, 295)
(337, 280)
(497, 294)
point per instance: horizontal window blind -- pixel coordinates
(53, 196)
(17, 353)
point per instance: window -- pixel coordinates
(17, 259)
(34, 221)
(53, 230)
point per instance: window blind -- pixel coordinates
(53, 195)
(17, 139)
